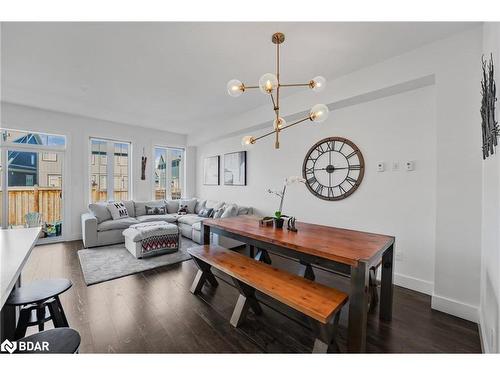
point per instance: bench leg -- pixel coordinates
(204, 274)
(306, 271)
(325, 334)
(263, 256)
(245, 301)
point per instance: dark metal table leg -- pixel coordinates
(387, 286)
(250, 250)
(358, 308)
(9, 316)
(205, 230)
(306, 271)
(263, 256)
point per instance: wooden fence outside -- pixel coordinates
(22, 200)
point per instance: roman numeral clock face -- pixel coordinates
(333, 168)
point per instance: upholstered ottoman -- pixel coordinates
(152, 238)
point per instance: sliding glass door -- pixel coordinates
(168, 173)
(32, 181)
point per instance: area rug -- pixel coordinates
(112, 262)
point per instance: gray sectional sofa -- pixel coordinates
(99, 228)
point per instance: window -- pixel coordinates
(49, 156)
(109, 161)
(168, 173)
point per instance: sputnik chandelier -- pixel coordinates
(270, 84)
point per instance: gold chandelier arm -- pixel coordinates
(296, 84)
(264, 135)
(283, 128)
(295, 123)
(275, 107)
(250, 87)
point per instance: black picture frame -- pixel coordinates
(214, 163)
(239, 157)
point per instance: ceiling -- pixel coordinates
(173, 76)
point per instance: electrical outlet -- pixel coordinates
(409, 165)
(380, 166)
(395, 165)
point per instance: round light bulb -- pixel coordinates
(318, 84)
(268, 83)
(319, 113)
(235, 88)
(279, 123)
(247, 141)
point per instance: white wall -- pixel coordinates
(490, 271)
(78, 130)
(445, 260)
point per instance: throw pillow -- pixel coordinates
(229, 210)
(200, 205)
(118, 210)
(218, 213)
(183, 209)
(157, 210)
(190, 203)
(206, 212)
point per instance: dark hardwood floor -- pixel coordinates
(154, 312)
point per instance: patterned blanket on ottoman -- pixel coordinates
(152, 238)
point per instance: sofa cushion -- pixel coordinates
(140, 207)
(200, 205)
(190, 203)
(130, 208)
(146, 218)
(213, 204)
(190, 219)
(116, 224)
(118, 210)
(172, 206)
(197, 226)
(100, 211)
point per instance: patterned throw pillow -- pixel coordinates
(183, 209)
(206, 212)
(118, 210)
(156, 210)
(218, 213)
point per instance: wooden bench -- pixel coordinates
(321, 304)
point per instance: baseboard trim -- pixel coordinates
(482, 335)
(456, 308)
(419, 285)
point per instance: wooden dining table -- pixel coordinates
(349, 252)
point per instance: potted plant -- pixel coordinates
(278, 215)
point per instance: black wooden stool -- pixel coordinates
(52, 341)
(39, 302)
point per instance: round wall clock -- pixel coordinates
(333, 168)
